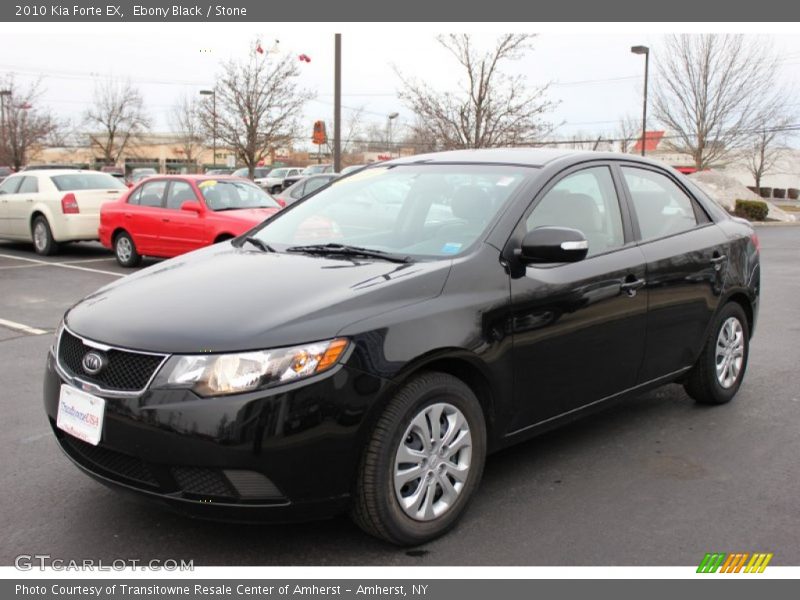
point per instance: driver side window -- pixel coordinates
(586, 201)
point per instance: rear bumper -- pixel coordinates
(78, 227)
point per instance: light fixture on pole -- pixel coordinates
(389, 118)
(213, 94)
(646, 51)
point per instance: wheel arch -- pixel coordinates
(462, 365)
(743, 300)
(221, 237)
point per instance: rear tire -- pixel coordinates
(43, 241)
(423, 463)
(720, 369)
(125, 250)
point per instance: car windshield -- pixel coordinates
(231, 195)
(279, 173)
(314, 169)
(413, 210)
(87, 181)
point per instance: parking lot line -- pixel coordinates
(23, 328)
(62, 265)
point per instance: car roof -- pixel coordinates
(52, 172)
(530, 157)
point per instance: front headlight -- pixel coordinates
(219, 374)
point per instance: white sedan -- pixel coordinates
(52, 206)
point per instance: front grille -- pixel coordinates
(125, 371)
(114, 463)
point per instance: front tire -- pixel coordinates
(719, 371)
(43, 241)
(276, 189)
(423, 462)
(125, 250)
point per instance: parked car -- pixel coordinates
(141, 173)
(317, 169)
(5, 172)
(372, 369)
(258, 172)
(112, 170)
(166, 216)
(219, 171)
(49, 207)
(303, 188)
(351, 168)
(273, 182)
(50, 167)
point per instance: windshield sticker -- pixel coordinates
(451, 248)
(207, 183)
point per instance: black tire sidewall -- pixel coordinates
(402, 527)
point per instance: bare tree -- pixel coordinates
(629, 130)
(115, 120)
(26, 126)
(187, 123)
(492, 108)
(713, 92)
(766, 144)
(259, 103)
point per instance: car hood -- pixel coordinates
(223, 299)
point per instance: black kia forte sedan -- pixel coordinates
(366, 348)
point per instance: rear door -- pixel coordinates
(8, 190)
(686, 256)
(142, 216)
(20, 205)
(578, 328)
(181, 230)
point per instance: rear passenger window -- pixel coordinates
(586, 201)
(180, 192)
(29, 185)
(662, 208)
(10, 185)
(152, 193)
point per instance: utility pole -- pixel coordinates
(3, 140)
(337, 104)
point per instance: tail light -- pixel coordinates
(69, 205)
(756, 243)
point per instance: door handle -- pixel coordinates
(166, 220)
(631, 285)
(717, 261)
(29, 200)
(128, 215)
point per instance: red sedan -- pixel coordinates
(169, 215)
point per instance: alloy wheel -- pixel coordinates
(729, 355)
(432, 462)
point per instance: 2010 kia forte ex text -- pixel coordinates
(365, 348)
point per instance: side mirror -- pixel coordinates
(553, 245)
(192, 206)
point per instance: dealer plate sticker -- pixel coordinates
(80, 414)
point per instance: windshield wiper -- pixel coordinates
(346, 250)
(258, 243)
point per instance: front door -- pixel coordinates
(578, 328)
(181, 230)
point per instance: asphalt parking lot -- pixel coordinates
(655, 480)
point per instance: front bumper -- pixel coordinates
(283, 454)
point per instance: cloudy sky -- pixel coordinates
(594, 77)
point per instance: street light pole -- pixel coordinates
(337, 103)
(3, 94)
(213, 94)
(389, 118)
(646, 51)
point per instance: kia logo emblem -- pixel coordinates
(93, 362)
